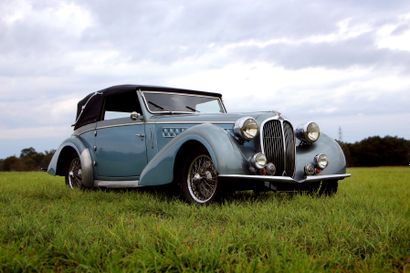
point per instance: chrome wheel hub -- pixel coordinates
(202, 179)
(75, 174)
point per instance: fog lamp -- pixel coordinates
(259, 160)
(270, 169)
(310, 169)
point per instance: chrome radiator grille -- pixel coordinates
(278, 144)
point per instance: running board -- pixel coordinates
(117, 184)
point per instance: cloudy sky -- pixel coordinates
(341, 63)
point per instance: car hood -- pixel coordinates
(214, 118)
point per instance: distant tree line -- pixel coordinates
(29, 160)
(377, 151)
(372, 151)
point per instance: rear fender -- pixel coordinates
(221, 146)
(72, 146)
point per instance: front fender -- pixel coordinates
(73, 145)
(325, 145)
(221, 146)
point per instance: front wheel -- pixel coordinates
(328, 188)
(73, 177)
(199, 180)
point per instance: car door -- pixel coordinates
(120, 148)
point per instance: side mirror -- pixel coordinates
(135, 116)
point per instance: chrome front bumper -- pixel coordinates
(286, 179)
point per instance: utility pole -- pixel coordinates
(340, 134)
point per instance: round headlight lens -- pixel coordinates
(312, 131)
(259, 160)
(246, 128)
(321, 161)
(309, 133)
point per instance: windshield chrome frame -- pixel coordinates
(222, 106)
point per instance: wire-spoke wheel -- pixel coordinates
(200, 180)
(74, 174)
(328, 188)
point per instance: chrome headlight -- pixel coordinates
(321, 161)
(246, 128)
(309, 133)
(259, 160)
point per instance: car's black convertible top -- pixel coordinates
(89, 108)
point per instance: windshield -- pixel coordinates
(159, 102)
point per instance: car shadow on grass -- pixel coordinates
(170, 194)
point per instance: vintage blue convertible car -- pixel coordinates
(138, 136)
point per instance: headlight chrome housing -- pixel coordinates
(321, 161)
(246, 128)
(259, 161)
(309, 133)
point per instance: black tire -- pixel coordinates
(328, 188)
(73, 176)
(198, 181)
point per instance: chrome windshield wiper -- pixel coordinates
(191, 108)
(166, 111)
(156, 105)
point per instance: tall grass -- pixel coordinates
(364, 228)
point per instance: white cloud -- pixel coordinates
(15, 11)
(68, 17)
(396, 35)
(334, 61)
(345, 30)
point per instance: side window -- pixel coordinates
(120, 105)
(114, 115)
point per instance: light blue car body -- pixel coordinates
(146, 151)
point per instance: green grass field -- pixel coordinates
(364, 228)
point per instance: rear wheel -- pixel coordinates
(199, 179)
(73, 177)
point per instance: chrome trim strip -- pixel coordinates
(285, 179)
(119, 125)
(117, 184)
(190, 122)
(84, 129)
(183, 94)
(80, 132)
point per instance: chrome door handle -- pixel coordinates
(140, 135)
